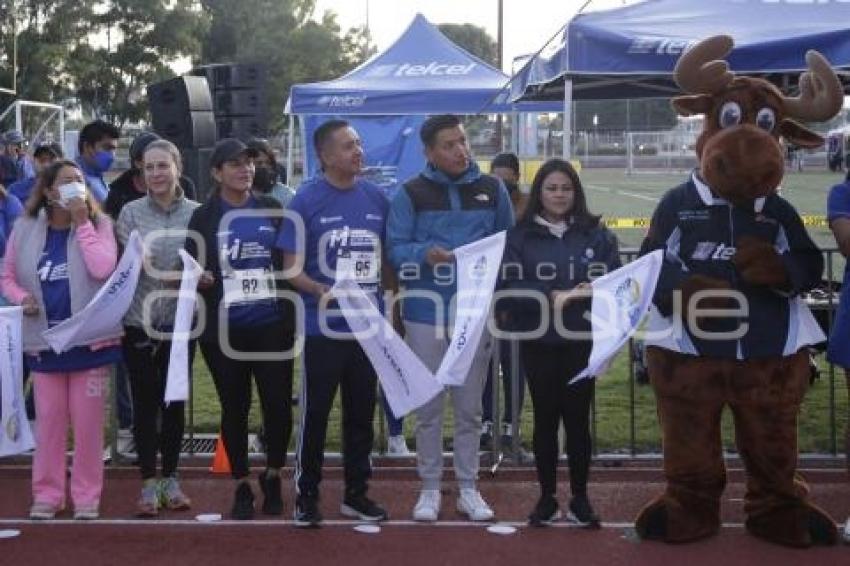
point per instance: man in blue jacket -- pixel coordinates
(448, 205)
(97, 146)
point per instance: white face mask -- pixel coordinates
(69, 191)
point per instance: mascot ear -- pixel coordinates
(692, 105)
(799, 135)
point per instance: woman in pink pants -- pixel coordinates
(60, 252)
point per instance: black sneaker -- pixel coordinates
(243, 503)
(582, 514)
(307, 514)
(545, 512)
(272, 499)
(363, 508)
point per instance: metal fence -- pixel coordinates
(823, 302)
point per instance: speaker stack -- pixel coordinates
(238, 97)
(182, 112)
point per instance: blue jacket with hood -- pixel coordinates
(435, 210)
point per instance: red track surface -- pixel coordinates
(177, 539)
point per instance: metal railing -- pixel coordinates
(823, 302)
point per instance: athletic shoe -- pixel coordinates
(545, 512)
(272, 498)
(126, 444)
(41, 511)
(397, 446)
(148, 503)
(243, 502)
(581, 512)
(307, 515)
(171, 496)
(363, 508)
(428, 506)
(87, 512)
(471, 504)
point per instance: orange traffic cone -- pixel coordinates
(221, 464)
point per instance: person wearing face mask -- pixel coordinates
(552, 253)
(43, 156)
(61, 251)
(97, 145)
(15, 164)
(266, 181)
(449, 204)
(249, 325)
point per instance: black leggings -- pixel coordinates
(232, 380)
(548, 369)
(156, 427)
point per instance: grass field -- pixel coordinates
(612, 193)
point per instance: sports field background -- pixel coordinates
(614, 194)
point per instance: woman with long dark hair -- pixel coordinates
(557, 247)
(59, 254)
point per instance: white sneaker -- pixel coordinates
(126, 444)
(428, 506)
(397, 446)
(471, 504)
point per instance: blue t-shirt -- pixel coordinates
(838, 351)
(56, 292)
(10, 209)
(245, 255)
(22, 189)
(345, 228)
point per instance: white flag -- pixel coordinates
(99, 319)
(621, 299)
(15, 434)
(177, 381)
(477, 270)
(406, 382)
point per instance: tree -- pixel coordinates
(99, 55)
(474, 39)
(283, 36)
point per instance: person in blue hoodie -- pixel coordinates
(97, 146)
(449, 204)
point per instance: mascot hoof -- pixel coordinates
(822, 528)
(651, 524)
(800, 527)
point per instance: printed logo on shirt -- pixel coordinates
(482, 197)
(243, 250)
(714, 251)
(329, 219)
(51, 272)
(377, 217)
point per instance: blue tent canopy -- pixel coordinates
(630, 52)
(423, 72)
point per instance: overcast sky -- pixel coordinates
(528, 24)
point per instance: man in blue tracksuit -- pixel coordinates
(448, 205)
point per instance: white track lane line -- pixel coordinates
(289, 523)
(609, 190)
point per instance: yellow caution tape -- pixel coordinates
(809, 220)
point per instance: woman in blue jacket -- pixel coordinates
(552, 253)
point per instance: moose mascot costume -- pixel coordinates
(727, 327)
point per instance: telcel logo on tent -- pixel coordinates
(659, 45)
(432, 69)
(342, 100)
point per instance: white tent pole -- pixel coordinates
(290, 145)
(568, 126)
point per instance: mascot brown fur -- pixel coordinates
(732, 244)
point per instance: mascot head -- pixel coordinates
(739, 151)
